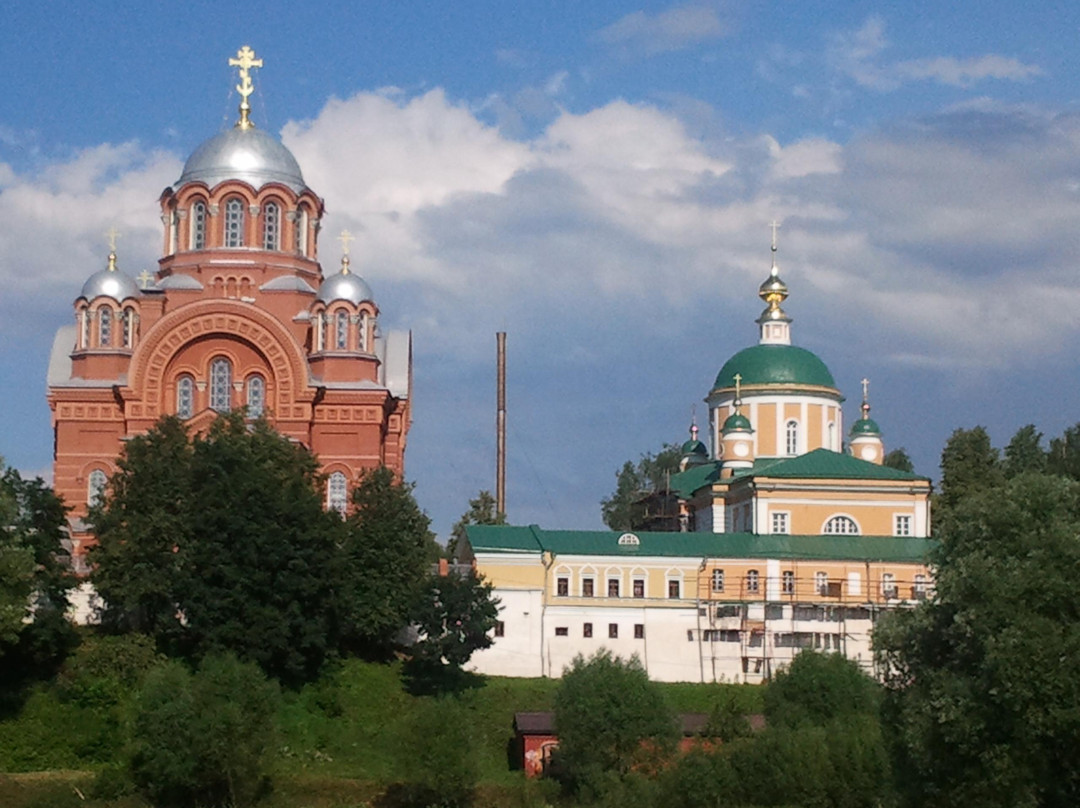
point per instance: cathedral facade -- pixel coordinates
(238, 315)
(791, 538)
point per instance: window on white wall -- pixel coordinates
(791, 437)
(841, 526)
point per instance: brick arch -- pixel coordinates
(218, 317)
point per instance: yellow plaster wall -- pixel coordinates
(805, 581)
(656, 575)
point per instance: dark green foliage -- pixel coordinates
(609, 718)
(481, 512)
(203, 738)
(984, 678)
(968, 464)
(898, 459)
(1064, 455)
(385, 553)
(1025, 452)
(220, 543)
(104, 669)
(624, 510)
(818, 688)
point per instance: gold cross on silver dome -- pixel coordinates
(345, 238)
(245, 60)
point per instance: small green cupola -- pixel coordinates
(694, 452)
(736, 437)
(866, 443)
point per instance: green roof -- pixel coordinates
(694, 447)
(774, 364)
(533, 539)
(823, 464)
(865, 426)
(685, 483)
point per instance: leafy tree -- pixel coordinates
(482, 511)
(1025, 452)
(969, 463)
(454, 615)
(624, 510)
(818, 688)
(609, 718)
(220, 543)
(1064, 455)
(34, 581)
(898, 459)
(204, 738)
(385, 554)
(984, 677)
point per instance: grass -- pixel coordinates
(342, 739)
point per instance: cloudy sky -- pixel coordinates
(597, 180)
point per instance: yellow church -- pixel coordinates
(787, 542)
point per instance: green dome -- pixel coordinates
(737, 421)
(694, 447)
(774, 364)
(865, 426)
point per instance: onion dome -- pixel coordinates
(109, 282)
(774, 364)
(737, 422)
(694, 452)
(344, 285)
(773, 291)
(865, 425)
(247, 154)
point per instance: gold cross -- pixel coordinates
(738, 386)
(245, 60)
(144, 278)
(112, 235)
(345, 238)
(775, 225)
(865, 389)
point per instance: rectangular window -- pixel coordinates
(674, 589)
(821, 583)
(562, 586)
(717, 580)
(613, 587)
(902, 525)
(780, 523)
(562, 631)
(613, 631)
(639, 631)
(587, 587)
(888, 585)
(752, 581)
(500, 628)
(787, 580)
(639, 588)
(919, 590)
(586, 630)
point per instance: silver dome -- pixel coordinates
(250, 155)
(345, 285)
(110, 283)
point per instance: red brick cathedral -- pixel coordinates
(238, 315)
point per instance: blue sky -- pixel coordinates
(596, 179)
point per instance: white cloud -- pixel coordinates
(679, 27)
(856, 54)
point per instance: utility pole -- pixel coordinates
(500, 425)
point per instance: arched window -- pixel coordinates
(753, 581)
(341, 331)
(337, 492)
(185, 397)
(85, 333)
(791, 442)
(362, 332)
(198, 226)
(221, 384)
(841, 526)
(234, 223)
(129, 327)
(319, 333)
(105, 327)
(95, 487)
(301, 231)
(256, 396)
(271, 226)
(832, 436)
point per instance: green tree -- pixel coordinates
(1064, 455)
(1025, 452)
(482, 511)
(609, 718)
(818, 688)
(969, 463)
(440, 747)
(624, 509)
(385, 554)
(984, 678)
(230, 549)
(204, 738)
(898, 459)
(454, 615)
